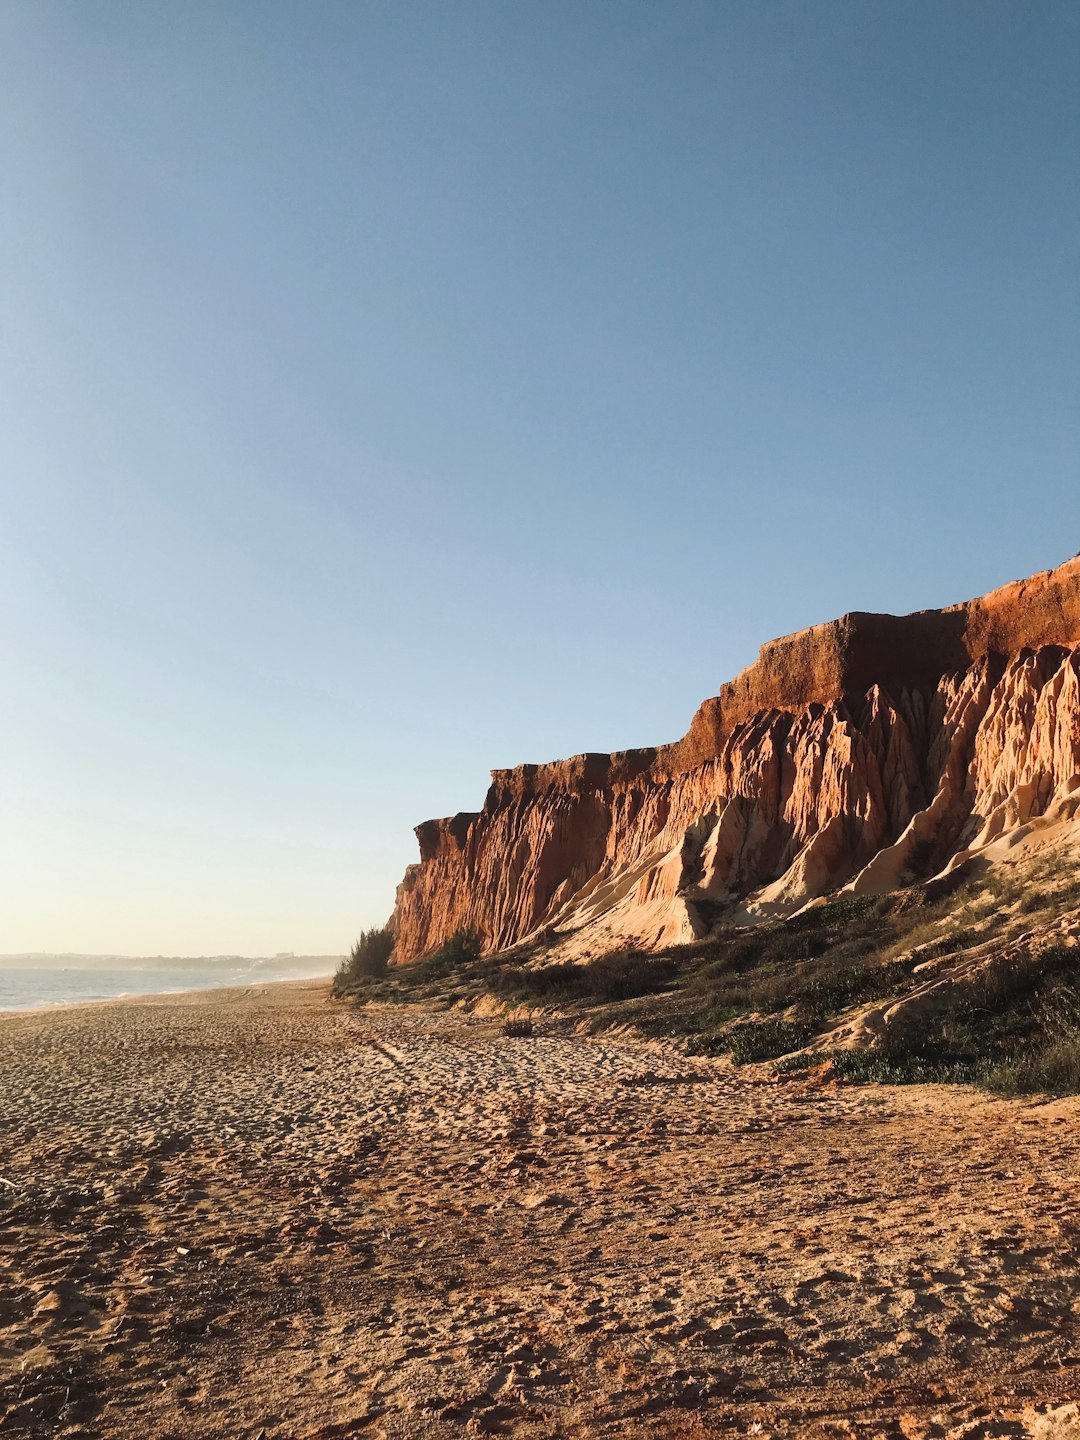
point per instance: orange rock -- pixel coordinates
(849, 754)
(810, 1078)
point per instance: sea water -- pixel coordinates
(27, 982)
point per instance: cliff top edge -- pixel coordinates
(828, 663)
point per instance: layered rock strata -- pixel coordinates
(855, 754)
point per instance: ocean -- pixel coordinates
(28, 982)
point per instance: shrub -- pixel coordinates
(920, 860)
(1014, 1028)
(462, 947)
(847, 908)
(1050, 1059)
(369, 959)
(622, 975)
(518, 1028)
(1035, 900)
(1052, 1067)
(820, 988)
(766, 1040)
(883, 1067)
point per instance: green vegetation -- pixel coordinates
(462, 947)
(369, 959)
(1053, 1066)
(765, 992)
(749, 1043)
(622, 975)
(882, 1067)
(1014, 1028)
(1043, 1051)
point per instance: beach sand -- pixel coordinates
(256, 1213)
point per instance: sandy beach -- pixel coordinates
(255, 1213)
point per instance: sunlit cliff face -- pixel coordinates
(857, 754)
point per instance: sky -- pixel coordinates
(392, 390)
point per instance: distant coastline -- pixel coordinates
(40, 981)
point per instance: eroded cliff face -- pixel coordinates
(852, 755)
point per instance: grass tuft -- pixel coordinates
(518, 1028)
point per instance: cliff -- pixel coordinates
(853, 754)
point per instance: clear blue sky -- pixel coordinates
(395, 390)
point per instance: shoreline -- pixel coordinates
(158, 996)
(244, 1210)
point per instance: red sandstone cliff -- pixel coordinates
(850, 754)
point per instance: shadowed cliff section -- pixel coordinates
(845, 754)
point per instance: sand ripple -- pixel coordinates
(251, 1213)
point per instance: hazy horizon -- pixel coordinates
(392, 393)
(34, 982)
(41, 955)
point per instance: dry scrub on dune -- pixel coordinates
(972, 972)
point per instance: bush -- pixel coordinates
(848, 908)
(518, 1028)
(1013, 1028)
(920, 861)
(622, 975)
(1048, 1061)
(766, 1040)
(884, 1067)
(369, 959)
(819, 988)
(1052, 1067)
(462, 947)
